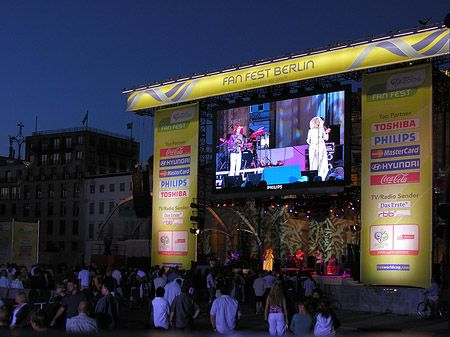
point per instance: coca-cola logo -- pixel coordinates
(392, 179)
(175, 151)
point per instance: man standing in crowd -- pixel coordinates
(107, 309)
(159, 310)
(224, 313)
(84, 278)
(70, 302)
(183, 310)
(259, 288)
(82, 323)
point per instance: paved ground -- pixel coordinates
(352, 323)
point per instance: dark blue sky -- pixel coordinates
(62, 58)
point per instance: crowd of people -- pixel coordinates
(90, 299)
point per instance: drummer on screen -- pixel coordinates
(235, 146)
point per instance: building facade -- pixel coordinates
(49, 185)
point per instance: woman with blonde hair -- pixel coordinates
(276, 313)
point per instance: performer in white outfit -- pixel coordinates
(317, 136)
(235, 146)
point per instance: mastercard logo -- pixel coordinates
(377, 153)
(162, 174)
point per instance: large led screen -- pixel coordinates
(283, 144)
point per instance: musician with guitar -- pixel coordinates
(235, 146)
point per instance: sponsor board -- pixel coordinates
(173, 242)
(395, 165)
(394, 204)
(184, 171)
(175, 151)
(396, 125)
(396, 267)
(175, 162)
(173, 214)
(396, 138)
(174, 183)
(395, 239)
(395, 179)
(400, 151)
(394, 213)
(174, 194)
(407, 79)
(172, 222)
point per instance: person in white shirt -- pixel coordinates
(159, 310)
(172, 289)
(84, 278)
(224, 313)
(159, 281)
(259, 288)
(4, 281)
(16, 282)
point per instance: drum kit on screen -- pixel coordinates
(249, 149)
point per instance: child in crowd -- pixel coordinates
(302, 321)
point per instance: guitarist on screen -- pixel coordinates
(235, 146)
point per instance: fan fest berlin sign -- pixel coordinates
(336, 60)
(174, 185)
(396, 183)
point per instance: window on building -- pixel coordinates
(56, 143)
(92, 189)
(49, 227)
(51, 191)
(63, 191)
(26, 209)
(111, 187)
(76, 190)
(62, 246)
(62, 227)
(8, 176)
(26, 192)
(4, 193)
(111, 205)
(91, 231)
(91, 208)
(37, 209)
(74, 246)
(15, 192)
(75, 227)
(101, 207)
(50, 209)
(38, 192)
(79, 155)
(102, 188)
(62, 209)
(122, 187)
(79, 140)
(55, 158)
(44, 159)
(44, 146)
(67, 157)
(76, 208)
(68, 142)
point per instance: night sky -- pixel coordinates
(60, 59)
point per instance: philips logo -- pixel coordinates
(174, 183)
(396, 138)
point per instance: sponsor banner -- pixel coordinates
(175, 151)
(397, 138)
(345, 59)
(394, 204)
(396, 125)
(395, 179)
(185, 171)
(25, 243)
(174, 194)
(394, 213)
(401, 151)
(395, 165)
(175, 162)
(176, 132)
(173, 183)
(396, 115)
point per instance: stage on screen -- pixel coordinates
(283, 144)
